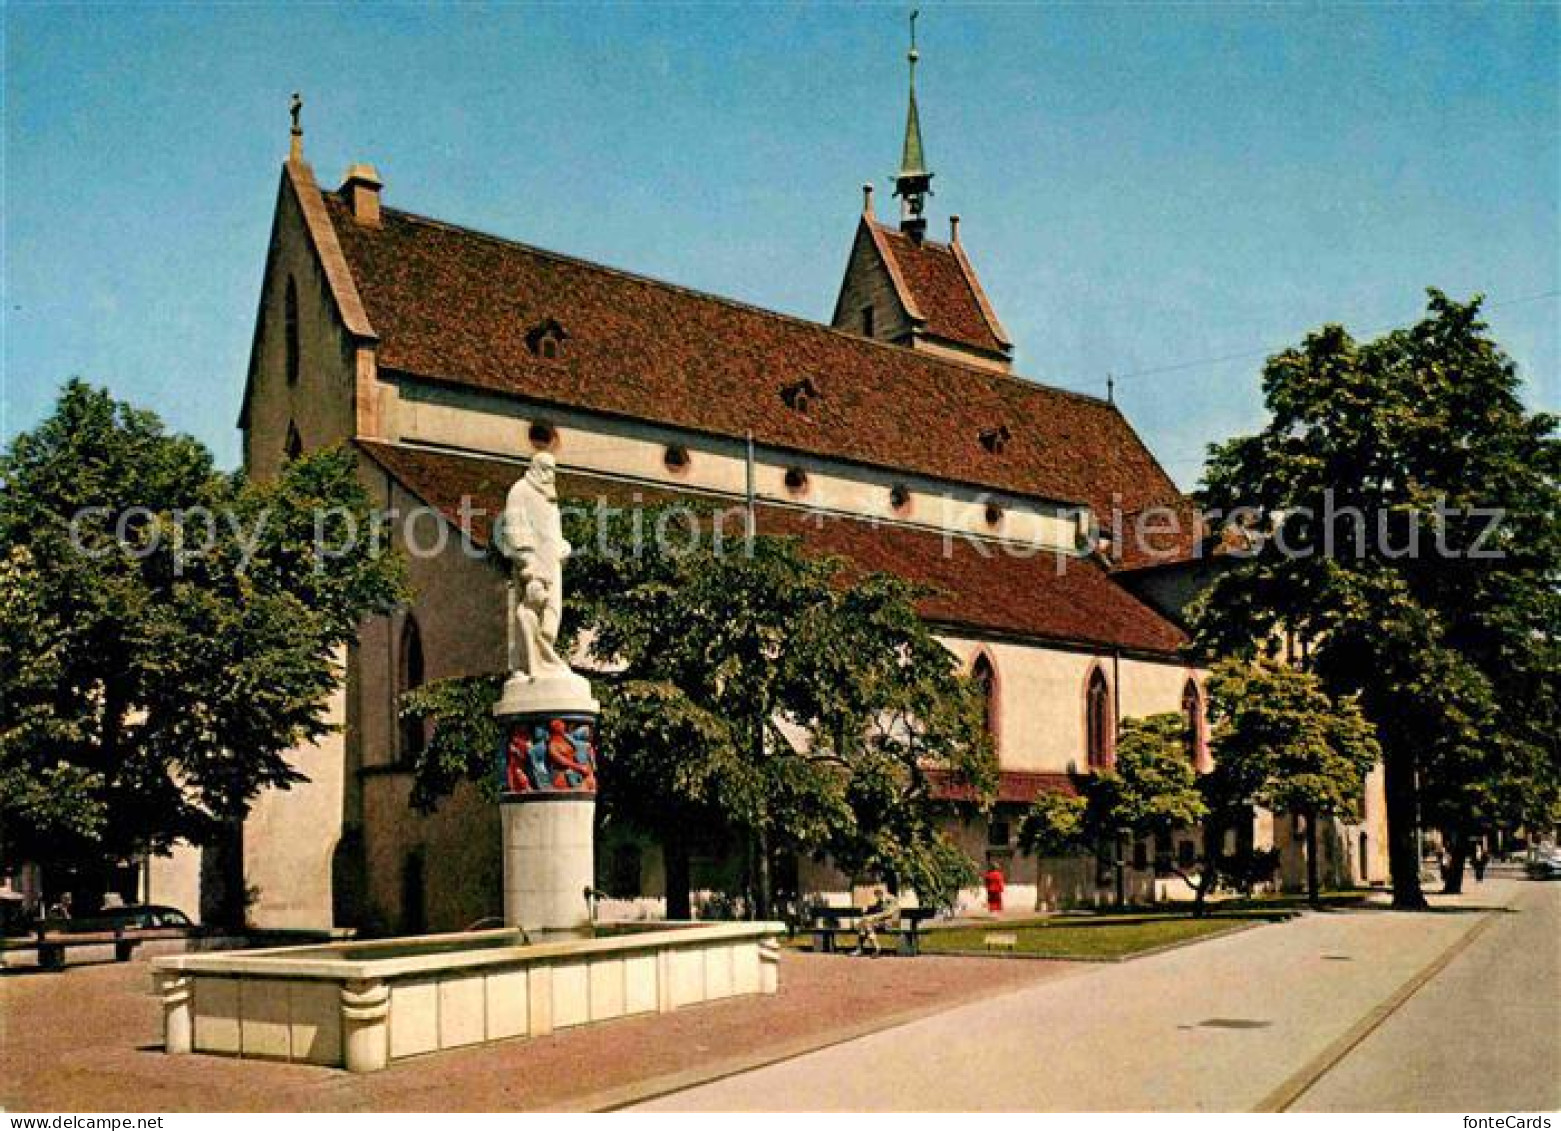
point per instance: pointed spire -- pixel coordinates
(912, 163)
(913, 184)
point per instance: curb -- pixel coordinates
(1105, 960)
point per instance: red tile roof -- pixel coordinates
(454, 305)
(1019, 787)
(1171, 534)
(978, 585)
(942, 290)
(1165, 534)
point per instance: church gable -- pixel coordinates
(919, 293)
(299, 394)
(872, 302)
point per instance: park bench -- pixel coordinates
(831, 924)
(1001, 940)
(52, 939)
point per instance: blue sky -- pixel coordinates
(1143, 187)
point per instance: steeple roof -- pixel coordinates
(912, 161)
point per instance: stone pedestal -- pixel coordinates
(549, 861)
(176, 990)
(548, 767)
(365, 1025)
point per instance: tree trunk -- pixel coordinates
(763, 898)
(1213, 841)
(1313, 886)
(1458, 856)
(223, 897)
(675, 872)
(1398, 786)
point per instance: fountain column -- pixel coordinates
(548, 803)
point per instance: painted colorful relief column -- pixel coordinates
(548, 720)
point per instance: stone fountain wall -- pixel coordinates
(322, 1005)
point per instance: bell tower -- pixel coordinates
(906, 289)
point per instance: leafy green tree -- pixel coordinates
(1151, 790)
(1279, 741)
(168, 632)
(1404, 510)
(755, 688)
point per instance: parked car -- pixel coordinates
(125, 928)
(132, 919)
(1545, 864)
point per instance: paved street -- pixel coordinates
(1229, 1025)
(1484, 1034)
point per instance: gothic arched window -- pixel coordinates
(409, 677)
(290, 329)
(985, 676)
(1192, 712)
(1099, 722)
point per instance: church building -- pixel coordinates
(898, 435)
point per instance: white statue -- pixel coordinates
(532, 536)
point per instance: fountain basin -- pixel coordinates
(362, 1005)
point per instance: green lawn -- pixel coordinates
(1073, 939)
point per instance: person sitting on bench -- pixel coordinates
(885, 909)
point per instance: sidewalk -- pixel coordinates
(1215, 1027)
(90, 1039)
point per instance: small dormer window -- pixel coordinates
(801, 395)
(995, 440)
(546, 339)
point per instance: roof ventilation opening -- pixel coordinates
(543, 436)
(995, 440)
(796, 480)
(801, 395)
(676, 458)
(546, 339)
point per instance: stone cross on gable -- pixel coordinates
(294, 109)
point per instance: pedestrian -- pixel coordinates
(992, 879)
(1480, 859)
(60, 909)
(884, 909)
